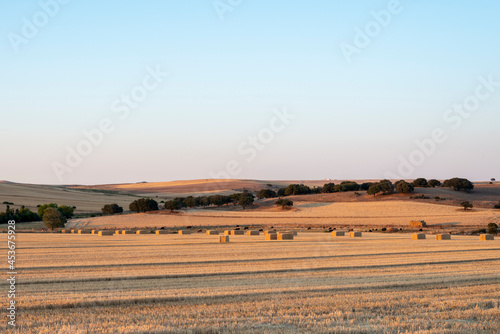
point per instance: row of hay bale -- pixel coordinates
(446, 236)
(351, 234)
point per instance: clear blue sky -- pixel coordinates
(352, 120)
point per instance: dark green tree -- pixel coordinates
(374, 189)
(467, 205)
(420, 183)
(266, 193)
(53, 218)
(329, 188)
(143, 205)
(404, 187)
(434, 183)
(284, 203)
(459, 184)
(111, 209)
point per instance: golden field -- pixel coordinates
(380, 283)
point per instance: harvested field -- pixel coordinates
(316, 283)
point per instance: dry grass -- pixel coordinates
(316, 283)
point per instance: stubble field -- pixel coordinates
(380, 283)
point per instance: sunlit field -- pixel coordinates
(380, 283)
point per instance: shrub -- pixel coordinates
(467, 205)
(8, 203)
(284, 203)
(53, 218)
(497, 206)
(492, 228)
(143, 205)
(111, 209)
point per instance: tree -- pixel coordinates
(297, 189)
(245, 199)
(67, 211)
(349, 186)
(492, 228)
(26, 215)
(467, 205)
(218, 200)
(281, 192)
(284, 203)
(329, 188)
(434, 183)
(374, 189)
(386, 186)
(459, 184)
(404, 187)
(173, 205)
(365, 186)
(42, 208)
(53, 218)
(420, 183)
(266, 193)
(111, 209)
(143, 205)
(190, 202)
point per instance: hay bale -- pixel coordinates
(73, 231)
(116, 232)
(227, 232)
(253, 233)
(184, 232)
(102, 233)
(84, 232)
(237, 232)
(142, 232)
(158, 232)
(224, 238)
(338, 234)
(444, 236)
(271, 236)
(355, 234)
(212, 232)
(485, 237)
(285, 236)
(128, 232)
(270, 232)
(418, 223)
(418, 236)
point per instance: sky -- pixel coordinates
(126, 91)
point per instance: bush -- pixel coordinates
(24, 215)
(434, 183)
(492, 228)
(459, 184)
(497, 206)
(143, 205)
(467, 205)
(111, 209)
(8, 203)
(284, 203)
(53, 218)
(266, 193)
